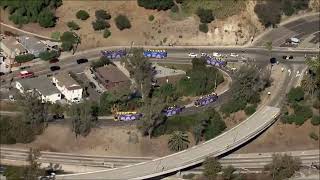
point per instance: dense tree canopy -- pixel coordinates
(82, 14)
(41, 11)
(156, 4)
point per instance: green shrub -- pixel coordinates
(151, 18)
(232, 106)
(269, 13)
(73, 25)
(174, 9)
(122, 22)
(101, 62)
(102, 14)
(216, 126)
(99, 24)
(24, 58)
(82, 14)
(298, 120)
(205, 15)
(304, 111)
(56, 35)
(106, 33)
(296, 94)
(203, 28)
(48, 55)
(249, 110)
(314, 136)
(315, 120)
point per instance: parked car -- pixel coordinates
(82, 60)
(55, 60)
(287, 57)
(203, 54)
(55, 68)
(193, 55)
(11, 98)
(2, 73)
(273, 60)
(215, 54)
(25, 74)
(234, 55)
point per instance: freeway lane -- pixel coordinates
(263, 118)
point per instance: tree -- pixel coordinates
(82, 14)
(24, 58)
(203, 28)
(101, 62)
(102, 14)
(178, 141)
(174, 8)
(56, 108)
(311, 81)
(205, 15)
(100, 24)
(167, 92)
(269, 13)
(156, 4)
(70, 40)
(73, 25)
(48, 55)
(106, 33)
(283, 166)
(122, 22)
(228, 173)
(141, 71)
(33, 170)
(152, 115)
(296, 94)
(46, 18)
(107, 100)
(211, 168)
(83, 116)
(34, 111)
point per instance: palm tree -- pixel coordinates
(311, 81)
(178, 141)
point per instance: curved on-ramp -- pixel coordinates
(223, 143)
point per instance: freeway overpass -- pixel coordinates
(225, 142)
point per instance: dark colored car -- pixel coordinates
(287, 57)
(54, 61)
(80, 61)
(2, 73)
(273, 60)
(56, 117)
(55, 68)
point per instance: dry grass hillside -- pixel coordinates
(235, 22)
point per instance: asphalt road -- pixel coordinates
(300, 28)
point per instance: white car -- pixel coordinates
(203, 54)
(193, 55)
(215, 54)
(234, 55)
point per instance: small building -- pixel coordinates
(71, 90)
(32, 44)
(111, 77)
(43, 85)
(11, 47)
